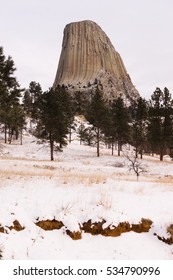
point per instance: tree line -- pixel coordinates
(146, 125)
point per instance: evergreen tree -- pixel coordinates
(55, 118)
(110, 130)
(2, 66)
(96, 114)
(10, 92)
(160, 128)
(86, 134)
(139, 125)
(3, 88)
(35, 91)
(80, 103)
(120, 128)
(8, 72)
(16, 122)
(7, 69)
(27, 103)
(35, 95)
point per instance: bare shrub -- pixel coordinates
(135, 163)
(66, 208)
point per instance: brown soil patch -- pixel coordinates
(54, 224)
(50, 225)
(16, 226)
(2, 230)
(92, 228)
(97, 228)
(168, 240)
(116, 231)
(143, 226)
(75, 235)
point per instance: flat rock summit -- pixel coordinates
(88, 59)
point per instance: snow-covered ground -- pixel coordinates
(75, 188)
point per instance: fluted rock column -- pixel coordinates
(88, 54)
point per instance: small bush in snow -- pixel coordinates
(119, 164)
(135, 164)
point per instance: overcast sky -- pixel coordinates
(31, 31)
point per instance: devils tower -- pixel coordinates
(88, 58)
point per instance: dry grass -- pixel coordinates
(66, 176)
(34, 159)
(87, 162)
(49, 167)
(71, 175)
(83, 178)
(165, 180)
(25, 173)
(43, 168)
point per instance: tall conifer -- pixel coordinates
(160, 128)
(120, 123)
(55, 118)
(96, 115)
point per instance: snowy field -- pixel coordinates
(75, 188)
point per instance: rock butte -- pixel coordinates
(88, 58)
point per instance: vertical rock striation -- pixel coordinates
(89, 58)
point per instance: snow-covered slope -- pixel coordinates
(75, 188)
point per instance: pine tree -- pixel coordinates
(16, 122)
(3, 88)
(96, 114)
(80, 103)
(35, 95)
(160, 128)
(35, 91)
(55, 118)
(120, 128)
(139, 125)
(2, 66)
(10, 92)
(86, 134)
(27, 103)
(110, 130)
